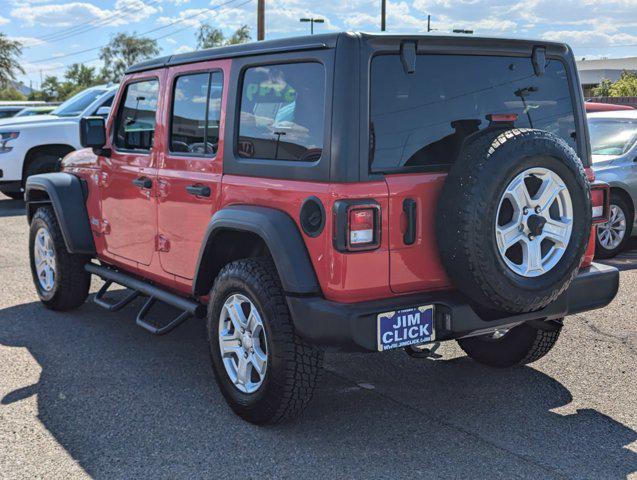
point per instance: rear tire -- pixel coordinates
(521, 345)
(283, 388)
(605, 246)
(68, 286)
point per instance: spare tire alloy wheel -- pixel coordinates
(611, 234)
(533, 225)
(514, 219)
(243, 343)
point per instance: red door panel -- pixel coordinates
(417, 266)
(183, 216)
(129, 210)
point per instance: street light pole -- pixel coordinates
(260, 19)
(312, 21)
(383, 15)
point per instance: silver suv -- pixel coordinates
(614, 147)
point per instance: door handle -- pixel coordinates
(198, 190)
(143, 182)
(409, 207)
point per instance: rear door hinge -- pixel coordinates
(162, 244)
(100, 226)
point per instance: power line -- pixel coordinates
(89, 25)
(137, 35)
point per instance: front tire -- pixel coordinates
(266, 373)
(59, 277)
(13, 195)
(519, 346)
(613, 236)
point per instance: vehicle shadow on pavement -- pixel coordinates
(11, 208)
(126, 404)
(626, 260)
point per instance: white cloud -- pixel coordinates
(73, 13)
(3, 20)
(27, 41)
(183, 49)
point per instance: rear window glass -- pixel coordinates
(282, 112)
(420, 119)
(135, 127)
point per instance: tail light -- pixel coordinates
(600, 200)
(356, 225)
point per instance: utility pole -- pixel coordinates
(383, 15)
(312, 21)
(261, 20)
(428, 23)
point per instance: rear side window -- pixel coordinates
(196, 113)
(421, 119)
(135, 124)
(282, 112)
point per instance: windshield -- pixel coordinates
(612, 136)
(75, 105)
(421, 119)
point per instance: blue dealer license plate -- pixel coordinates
(405, 327)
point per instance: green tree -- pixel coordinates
(603, 89)
(10, 93)
(123, 51)
(10, 50)
(80, 75)
(242, 35)
(626, 86)
(209, 37)
(50, 88)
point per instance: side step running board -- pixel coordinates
(154, 293)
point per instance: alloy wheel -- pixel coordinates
(44, 257)
(534, 222)
(243, 343)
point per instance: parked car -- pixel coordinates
(35, 144)
(614, 148)
(592, 107)
(344, 192)
(8, 111)
(31, 111)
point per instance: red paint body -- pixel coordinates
(157, 232)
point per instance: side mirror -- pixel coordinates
(103, 112)
(92, 132)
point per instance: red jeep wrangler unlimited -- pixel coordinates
(343, 191)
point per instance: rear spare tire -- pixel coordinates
(514, 219)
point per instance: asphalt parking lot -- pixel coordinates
(89, 394)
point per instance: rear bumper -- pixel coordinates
(352, 327)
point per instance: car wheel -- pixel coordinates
(266, 373)
(44, 163)
(514, 219)
(613, 236)
(515, 347)
(59, 277)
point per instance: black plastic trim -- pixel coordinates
(280, 234)
(66, 194)
(353, 327)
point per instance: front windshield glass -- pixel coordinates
(612, 136)
(77, 104)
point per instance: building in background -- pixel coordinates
(592, 72)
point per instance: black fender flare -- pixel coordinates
(67, 195)
(279, 233)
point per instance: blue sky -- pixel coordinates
(57, 33)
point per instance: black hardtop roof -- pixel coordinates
(329, 40)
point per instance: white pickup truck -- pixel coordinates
(30, 145)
